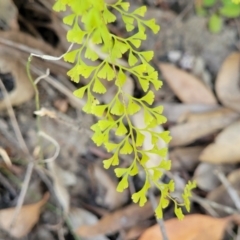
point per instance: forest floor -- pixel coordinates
(71, 196)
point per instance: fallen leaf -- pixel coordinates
(173, 111)
(79, 217)
(25, 220)
(121, 219)
(226, 148)
(112, 199)
(227, 83)
(14, 68)
(8, 15)
(187, 87)
(192, 227)
(205, 177)
(200, 125)
(185, 158)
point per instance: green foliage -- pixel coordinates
(89, 21)
(218, 10)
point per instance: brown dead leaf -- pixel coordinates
(121, 219)
(173, 111)
(187, 87)
(227, 84)
(185, 158)
(26, 219)
(8, 15)
(205, 177)
(13, 66)
(226, 148)
(192, 227)
(200, 125)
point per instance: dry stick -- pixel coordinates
(160, 221)
(232, 193)
(24, 149)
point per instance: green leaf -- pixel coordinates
(157, 174)
(148, 55)
(215, 23)
(106, 72)
(120, 171)
(86, 70)
(209, 3)
(152, 25)
(144, 158)
(70, 56)
(140, 69)
(160, 118)
(123, 184)
(135, 42)
(129, 27)
(148, 98)
(80, 92)
(98, 110)
(98, 138)
(74, 74)
(230, 11)
(132, 107)
(165, 164)
(127, 148)
(140, 35)
(139, 139)
(68, 20)
(144, 84)
(104, 124)
(132, 60)
(108, 16)
(96, 36)
(178, 212)
(121, 78)
(158, 109)
(171, 186)
(98, 87)
(157, 84)
(90, 54)
(165, 136)
(110, 146)
(59, 6)
(164, 203)
(76, 35)
(148, 118)
(134, 170)
(140, 11)
(117, 108)
(121, 130)
(127, 20)
(125, 6)
(140, 197)
(113, 161)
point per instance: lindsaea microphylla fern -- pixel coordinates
(94, 16)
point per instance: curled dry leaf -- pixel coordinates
(187, 87)
(25, 220)
(13, 72)
(205, 177)
(227, 84)
(173, 111)
(226, 148)
(121, 219)
(221, 195)
(185, 158)
(192, 227)
(8, 15)
(79, 217)
(112, 199)
(200, 125)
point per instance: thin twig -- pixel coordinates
(231, 191)
(160, 221)
(24, 149)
